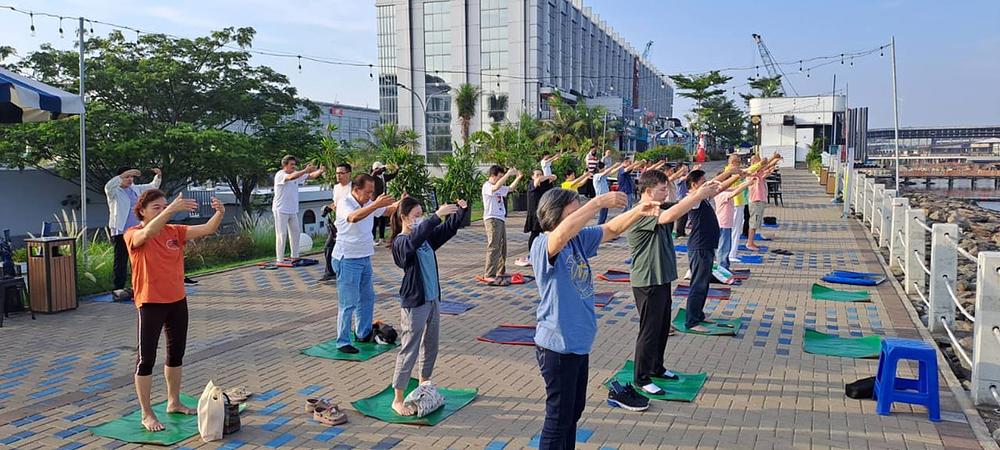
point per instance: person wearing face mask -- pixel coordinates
(415, 240)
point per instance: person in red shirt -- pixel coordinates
(156, 250)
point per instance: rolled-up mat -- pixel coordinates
(723, 293)
(614, 276)
(379, 405)
(681, 248)
(454, 308)
(831, 345)
(601, 299)
(760, 248)
(366, 350)
(854, 278)
(750, 259)
(740, 274)
(820, 292)
(510, 334)
(179, 427)
(685, 388)
(717, 327)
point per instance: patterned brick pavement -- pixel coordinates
(65, 372)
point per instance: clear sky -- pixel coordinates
(948, 53)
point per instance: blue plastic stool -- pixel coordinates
(922, 391)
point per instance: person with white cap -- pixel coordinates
(382, 179)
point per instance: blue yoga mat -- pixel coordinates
(617, 276)
(681, 248)
(760, 248)
(750, 259)
(628, 261)
(454, 308)
(850, 274)
(854, 280)
(601, 299)
(510, 335)
(769, 226)
(757, 237)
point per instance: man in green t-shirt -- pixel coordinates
(654, 267)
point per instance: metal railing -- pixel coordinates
(932, 277)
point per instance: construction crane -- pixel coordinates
(645, 52)
(772, 68)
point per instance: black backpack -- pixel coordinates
(863, 389)
(384, 333)
(770, 220)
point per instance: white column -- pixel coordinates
(885, 226)
(876, 208)
(986, 337)
(944, 266)
(897, 236)
(916, 239)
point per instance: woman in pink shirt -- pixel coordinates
(724, 213)
(758, 197)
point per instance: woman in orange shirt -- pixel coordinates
(156, 250)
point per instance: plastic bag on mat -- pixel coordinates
(425, 399)
(722, 274)
(211, 413)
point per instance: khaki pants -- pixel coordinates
(496, 247)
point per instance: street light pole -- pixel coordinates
(83, 148)
(423, 106)
(895, 110)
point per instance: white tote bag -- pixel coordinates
(211, 413)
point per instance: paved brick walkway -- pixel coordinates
(62, 373)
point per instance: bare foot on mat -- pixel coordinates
(699, 329)
(151, 423)
(403, 409)
(181, 410)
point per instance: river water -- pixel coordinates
(984, 188)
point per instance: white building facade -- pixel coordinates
(518, 52)
(788, 125)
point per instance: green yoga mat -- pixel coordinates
(178, 426)
(820, 292)
(379, 405)
(684, 389)
(366, 350)
(715, 327)
(831, 345)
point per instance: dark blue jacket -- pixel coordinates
(404, 254)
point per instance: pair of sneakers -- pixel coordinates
(626, 397)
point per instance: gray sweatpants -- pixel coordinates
(419, 328)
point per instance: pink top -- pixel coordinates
(758, 190)
(724, 209)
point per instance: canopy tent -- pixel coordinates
(25, 100)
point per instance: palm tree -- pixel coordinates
(466, 99)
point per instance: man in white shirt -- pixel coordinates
(495, 220)
(352, 259)
(123, 193)
(285, 205)
(341, 189)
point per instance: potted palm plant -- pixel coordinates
(462, 179)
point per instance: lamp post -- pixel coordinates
(423, 106)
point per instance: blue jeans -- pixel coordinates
(356, 297)
(701, 276)
(725, 246)
(602, 217)
(631, 199)
(565, 376)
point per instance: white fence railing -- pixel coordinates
(931, 278)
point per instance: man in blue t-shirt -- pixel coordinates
(567, 323)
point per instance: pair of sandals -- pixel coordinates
(325, 411)
(779, 251)
(237, 394)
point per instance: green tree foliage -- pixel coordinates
(671, 152)
(196, 108)
(713, 112)
(814, 157)
(462, 180)
(466, 100)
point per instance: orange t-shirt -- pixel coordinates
(158, 265)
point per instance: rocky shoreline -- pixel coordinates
(980, 231)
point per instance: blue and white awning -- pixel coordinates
(26, 100)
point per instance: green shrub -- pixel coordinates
(814, 158)
(20, 255)
(216, 250)
(95, 273)
(671, 152)
(462, 180)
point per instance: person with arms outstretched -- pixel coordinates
(285, 204)
(156, 249)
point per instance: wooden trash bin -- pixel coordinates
(52, 273)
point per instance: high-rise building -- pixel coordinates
(518, 52)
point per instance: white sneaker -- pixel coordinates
(522, 262)
(378, 243)
(653, 389)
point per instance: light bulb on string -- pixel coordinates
(842, 58)
(61, 28)
(758, 71)
(880, 51)
(852, 62)
(800, 65)
(807, 73)
(370, 74)
(91, 27)
(300, 62)
(498, 81)
(31, 16)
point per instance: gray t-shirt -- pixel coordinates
(653, 259)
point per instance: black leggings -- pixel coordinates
(171, 318)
